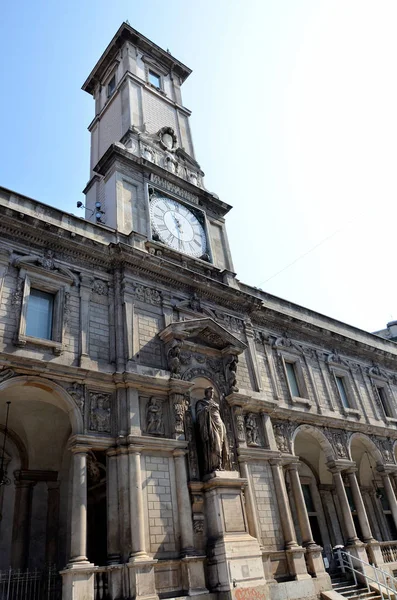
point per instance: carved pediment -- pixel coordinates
(205, 333)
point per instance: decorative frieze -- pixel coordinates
(147, 295)
(338, 440)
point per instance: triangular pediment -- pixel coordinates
(203, 332)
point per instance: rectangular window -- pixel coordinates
(382, 395)
(111, 86)
(155, 79)
(308, 498)
(39, 314)
(292, 379)
(342, 391)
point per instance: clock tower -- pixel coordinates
(144, 177)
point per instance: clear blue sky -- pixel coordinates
(294, 123)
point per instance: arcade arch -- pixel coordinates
(34, 505)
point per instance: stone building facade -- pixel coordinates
(173, 431)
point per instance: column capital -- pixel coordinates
(79, 449)
(351, 471)
(133, 449)
(293, 465)
(112, 452)
(179, 453)
(275, 462)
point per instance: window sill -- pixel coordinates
(27, 339)
(301, 401)
(352, 412)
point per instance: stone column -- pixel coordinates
(137, 516)
(21, 525)
(113, 529)
(303, 517)
(294, 552)
(350, 530)
(184, 506)
(253, 525)
(51, 547)
(360, 508)
(124, 502)
(78, 530)
(331, 516)
(390, 495)
(313, 555)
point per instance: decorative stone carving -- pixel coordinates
(179, 408)
(192, 448)
(148, 295)
(194, 303)
(154, 417)
(252, 429)
(239, 420)
(385, 446)
(66, 308)
(6, 374)
(231, 374)
(212, 433)
(376, 371)
(334, 358)
(77, 392)
(338, 441)
(174, 361)
(100, 287)
(47, 261)
(100, 412)
(175, 189)
(168, 139)
(198, 524)
(16, 297)
(229, 322)
(283, 431)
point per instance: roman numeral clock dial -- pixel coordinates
(177, 226)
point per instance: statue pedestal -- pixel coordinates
(234, 557)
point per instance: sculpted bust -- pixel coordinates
(212, 433)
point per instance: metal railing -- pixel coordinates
(360, 569)
(30, 584)
(389, 551)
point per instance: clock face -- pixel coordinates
(177, 226)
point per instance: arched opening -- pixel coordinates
(314, 451)
(367, 457)
(34, 506)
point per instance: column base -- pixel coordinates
(141, 576)
(314, 560)
(296, 563)
(78, 582)
(374, 553)
(79, 564)
(193, 578)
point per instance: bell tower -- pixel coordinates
(144, 177)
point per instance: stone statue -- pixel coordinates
(212, 433)
(154, 417)
(100, 415)
(232, 374)
(174, 361)
(252, 429)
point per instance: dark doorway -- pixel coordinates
(97, 509)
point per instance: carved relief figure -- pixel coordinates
(100, 413)
(174, 361)
(281, 440)
(238, 411)
(47, 262)
(252, 429)
(212, 433)
(77, 393)
(232, 374)
(154, 417)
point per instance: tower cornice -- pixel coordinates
(124, 34)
